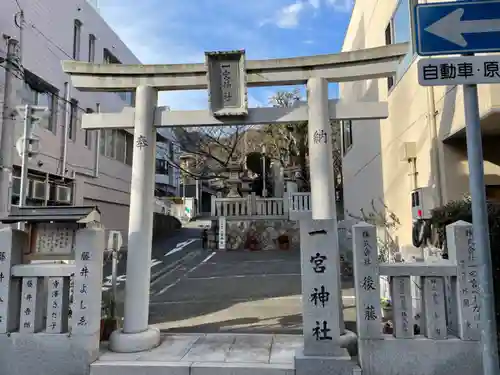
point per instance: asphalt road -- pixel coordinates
(166, 254)
(244, 292)
(196, 290)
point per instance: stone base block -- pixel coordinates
(122, 342)
(342, 364)
(47, 354)
(420, 356)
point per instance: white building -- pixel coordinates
(96, 169)
(167, 178)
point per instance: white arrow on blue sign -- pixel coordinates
(457, 27)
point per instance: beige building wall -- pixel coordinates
(373, 169)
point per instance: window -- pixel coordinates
(88, 133)
(388, 40)
(161, 166)
(399, 31)
(92, 40)
(77, 34)
(109, 58)
(40, 93)
(73, 119)
(116, 144)
(170, 151)
(346, 135)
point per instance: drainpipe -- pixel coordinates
(436, 165)
(97, 145)
(67, 119)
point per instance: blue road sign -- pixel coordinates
(457, 27)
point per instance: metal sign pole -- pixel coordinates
(480, 229)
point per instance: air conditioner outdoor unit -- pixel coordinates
(63, 194)
(38, 190)
(16, 186)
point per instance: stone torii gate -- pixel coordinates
(226, 75)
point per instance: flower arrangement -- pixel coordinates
(386, 303)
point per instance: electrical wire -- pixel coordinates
(19, 5)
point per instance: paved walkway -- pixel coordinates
(212, 354)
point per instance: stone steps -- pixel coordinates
(189, 368)
(215, 354)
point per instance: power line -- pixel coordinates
(19, 74)
(19, 5)
(50, 41)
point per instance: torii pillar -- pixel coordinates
(136, 335)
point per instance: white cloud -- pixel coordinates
(341, 5)
(179, 31)
(170, 37)
(288, 17)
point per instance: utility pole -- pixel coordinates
(25, 154)
(8, 125)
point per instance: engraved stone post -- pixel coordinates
(89, 249)
(31, 318)
(367, 283)
(222, 233)
(434, 308)
(325, 338)
(320, 287)
(13, 243)
(402, 306)
(57, 305)
(451, 305)
(461, 250)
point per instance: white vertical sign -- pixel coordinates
(222, 232)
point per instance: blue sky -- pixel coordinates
(180, 31)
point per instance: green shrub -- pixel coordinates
(462, 210)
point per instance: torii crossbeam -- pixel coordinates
(226, 75)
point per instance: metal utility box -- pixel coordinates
(51, 230)
(422, 203)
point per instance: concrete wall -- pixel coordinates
(372, 167)
(49, 32)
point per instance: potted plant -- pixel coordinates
(386, 305)
(284, 242)
(109, 322)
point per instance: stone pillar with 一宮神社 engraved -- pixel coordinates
(321, 292)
